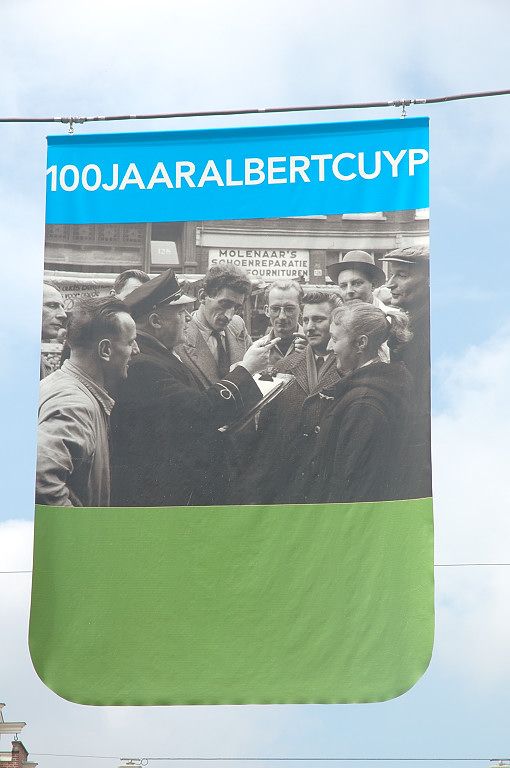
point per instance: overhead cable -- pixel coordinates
(145, 760)
(399, 103)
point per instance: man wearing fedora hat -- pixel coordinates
(167, 449)
(357, 277)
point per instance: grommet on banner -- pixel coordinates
(72, 121)
(402, 103)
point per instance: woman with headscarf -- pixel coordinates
(363, 431)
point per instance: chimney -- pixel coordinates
(19, 754)
(17, 757)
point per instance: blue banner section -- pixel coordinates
(236, 173)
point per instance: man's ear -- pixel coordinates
(154, 320)
(201, 295)
(362, 342)
(266, 311)
(104, 349)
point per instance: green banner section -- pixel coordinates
(233, 605)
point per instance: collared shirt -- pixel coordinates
(325, 357)
(311, 366)
(370, 362)
(207, 333)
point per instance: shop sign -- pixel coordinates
(265, 263)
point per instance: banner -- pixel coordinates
(233, 490)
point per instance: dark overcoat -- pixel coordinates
(363, 437)
(286, 430)
(166, 447)
(416, 356)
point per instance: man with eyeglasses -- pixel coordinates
(287, 427)
(283, 305)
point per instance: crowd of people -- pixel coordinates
(133, 416)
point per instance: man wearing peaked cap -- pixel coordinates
(163, 289)
(409, 286)
(409, 277)
(167, 449)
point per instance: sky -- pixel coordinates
(62, 58)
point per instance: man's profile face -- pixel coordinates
(220, 309)
(316, 319)
(283, 311)
(408, 285)
(355, 285)
(123, 347)
(173, 321)
(53, 313)
(343, 345)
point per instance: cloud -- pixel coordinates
(471, 460)
(91, 57)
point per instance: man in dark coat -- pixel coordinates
(287, 426)
(409, 286)
(166, 446)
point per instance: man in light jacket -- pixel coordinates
(73, 460)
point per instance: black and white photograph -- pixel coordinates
(254, 361)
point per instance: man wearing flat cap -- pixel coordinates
(167, 449)
(409, 286)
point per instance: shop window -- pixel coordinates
(166, 243)
(164, 253)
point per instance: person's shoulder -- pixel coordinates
(61, 384)
(237, 325)
(150, 364)
(288, 364)
(61, 393)
(192, 332)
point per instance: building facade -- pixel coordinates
(84, 259)
(269, 249)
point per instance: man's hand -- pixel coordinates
(256, 357)
(300, 342)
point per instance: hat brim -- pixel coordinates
(375, 274)
(399, 261)
(181, 300)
